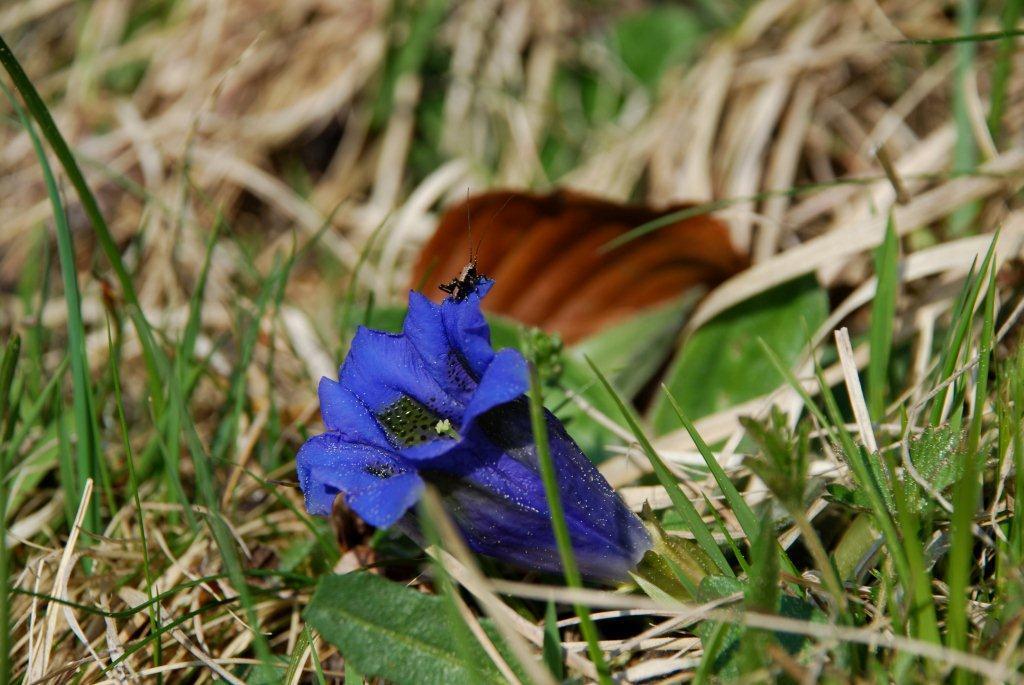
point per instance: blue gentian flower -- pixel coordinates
(437, 404)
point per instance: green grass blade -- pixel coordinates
(298, 657)
(561, 529)
(188, 337)
(34, 412)
(318, 669)
(683, 506)
(967, 490)
(712, 647)
(744, 514)
(37, 108)
(883, 314)
(1003, 66)
(966, 38)
(965, 152)
(35, 105)
(961, 325)
(552, 647)
(922, 620)
(133, 483)
(1015, 408)
(8, 364)
(86, 445)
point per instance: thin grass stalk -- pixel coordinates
(737, 504)
(8, 364)
(668, 481)
(86, 447)
(428, 509)
(883, 315)
(965, 153)
(966, 492)
(39, 111)
(1003, 67)
(318, 669)
(561, 530)
(133, 483)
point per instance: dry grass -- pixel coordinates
(267, 112)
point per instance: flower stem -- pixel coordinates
(561, 530)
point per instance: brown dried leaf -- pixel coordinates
(545, 254)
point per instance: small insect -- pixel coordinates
(465, 284)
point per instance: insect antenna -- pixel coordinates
(483, 234)
(469, 230)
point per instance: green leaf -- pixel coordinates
(393, 632)
(728, 639)
(722, 364)
(939, 460)
(631, 352)
(937, 455)
(761, 594)
(854, 498)
(725, 637)
(650, 41)
(553, 643)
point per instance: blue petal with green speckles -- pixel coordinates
(437, 404)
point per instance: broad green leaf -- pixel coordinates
(552, 648)
(631, 352)
(727, 655)
(648, 42)
(727, 640)
(761, 594)
(937, 456)
(854, 498)
(387, 630)
(723, 364)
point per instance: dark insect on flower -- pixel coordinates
(437, 404)
(465, 283)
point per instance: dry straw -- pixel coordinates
(801, 91)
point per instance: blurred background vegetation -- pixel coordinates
(266, 173)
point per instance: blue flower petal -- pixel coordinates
(468, 331)
(506, 378)
(430, 450)
(329, 463)
(384, 502)
(424, 326)
(491, 484)
(382, 368)
(344, 414)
